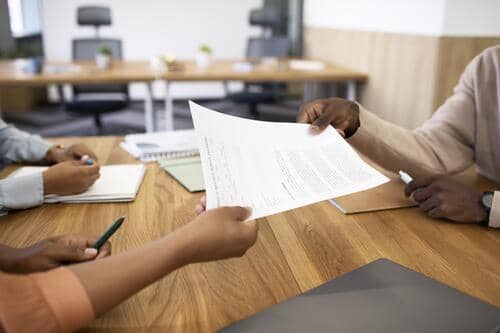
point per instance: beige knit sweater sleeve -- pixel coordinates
(443, 144)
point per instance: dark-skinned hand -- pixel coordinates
(70, 177)
(338, 112)
(51, 253)
(442, 197)
(74, 152)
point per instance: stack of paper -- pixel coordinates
(273, 167)
(118, 183)
(161, 145)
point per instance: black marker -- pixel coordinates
(108, 233)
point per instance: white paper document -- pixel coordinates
(273, 167)
(117, 183)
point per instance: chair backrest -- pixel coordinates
(93, 15)
(86, 49)
(277, 47)
(264, 17)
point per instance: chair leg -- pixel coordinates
(254, 110)
(98, 123)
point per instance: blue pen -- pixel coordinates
(87, 160)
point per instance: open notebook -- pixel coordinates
(118, 183)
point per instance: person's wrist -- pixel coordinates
(481, 216)
(185, 245)
(479, 213)
(48, 186)
(485, 202)
(355, 122)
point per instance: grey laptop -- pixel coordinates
(379, 297)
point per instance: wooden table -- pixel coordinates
(295, 251)
(85, 72)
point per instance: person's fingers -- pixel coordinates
(79, 150)
(322, 122)
(303, 117)
(341, 132)
(104, 251)
(343, 125)
(417, 183)
(307, 112)
(72, 163)
(91, 252)
(72, 254)
(436, 213)
(251, 232)
(92, 180)
(429, 204)
(253, 227)
(238, 213)
(92, 169)
(199, 209)
(423, 193)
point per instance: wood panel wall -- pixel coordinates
(454, 54)
(410, 75)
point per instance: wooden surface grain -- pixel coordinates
(296, 250)
(11, 73)
(410, 75)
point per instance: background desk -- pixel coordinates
(139, 71)
(295, 251)
(83, 72)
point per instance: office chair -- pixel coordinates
(255, 93)
(96, 100)
(261, 47)
(266, 18)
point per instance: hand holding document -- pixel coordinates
(273, 167)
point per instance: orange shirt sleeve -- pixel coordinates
(53, 301)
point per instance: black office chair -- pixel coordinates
(255, 93)
(96, 100)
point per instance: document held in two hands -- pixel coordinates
(273, 167)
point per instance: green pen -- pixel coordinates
(108, 233)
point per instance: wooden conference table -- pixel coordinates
(296, 250)
(82, 72)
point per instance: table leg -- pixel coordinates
(148, 109)
(60, 95)
(169, 107)
(351, 90)
(225, 84)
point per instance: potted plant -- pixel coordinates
(204, 56)
(103, 57)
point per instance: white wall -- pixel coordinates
(397, 16)
(419, 17)
(154, 27)
(472, 18)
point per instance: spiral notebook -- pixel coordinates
(161, 145)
